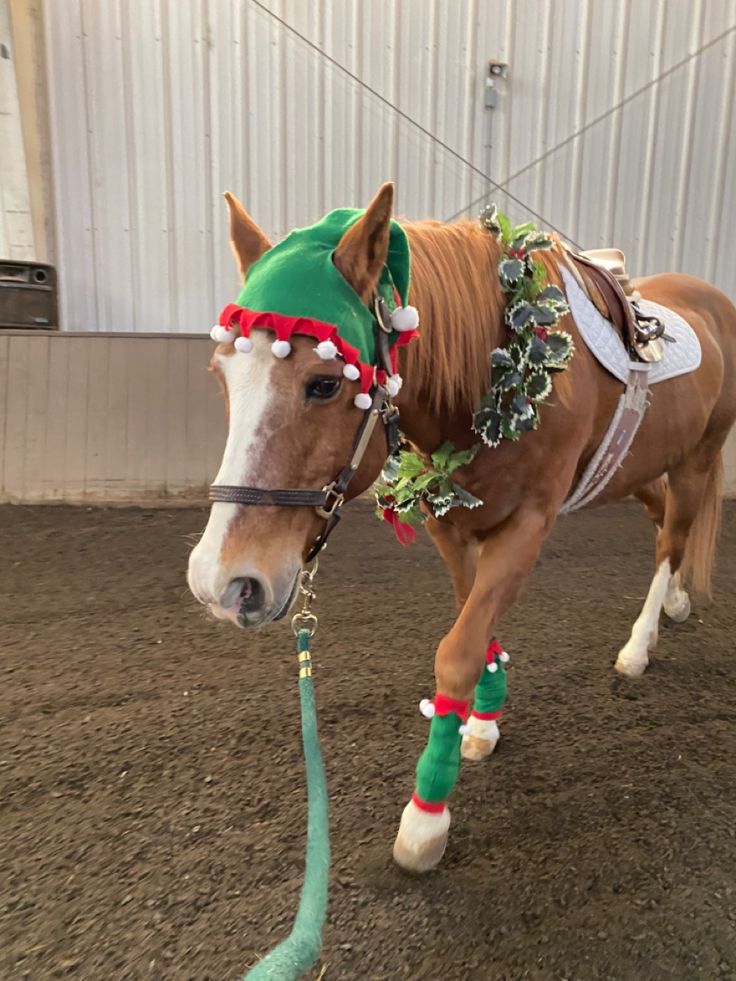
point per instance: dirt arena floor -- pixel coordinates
(153, 805)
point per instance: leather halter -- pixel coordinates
(328, 502)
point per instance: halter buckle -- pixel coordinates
(333, 501)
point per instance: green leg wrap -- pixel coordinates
(490, 692)
(439, 764)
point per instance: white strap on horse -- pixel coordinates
(616, 443)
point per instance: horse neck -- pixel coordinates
(446, 372)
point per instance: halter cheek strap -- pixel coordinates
(327, 502)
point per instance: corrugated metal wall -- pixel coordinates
(159, 105)
(16, 226)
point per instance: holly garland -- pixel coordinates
(521, 378)
(408, 481)
(521, 372)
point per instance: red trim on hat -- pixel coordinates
(487, 716)
(430, 806)
(443, 705)
(284, 327)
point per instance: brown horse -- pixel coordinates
(246, 565)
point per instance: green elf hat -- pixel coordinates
(295, 288)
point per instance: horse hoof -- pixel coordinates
(480, 742)
(422, 839)
(679, 609)
(631, 666)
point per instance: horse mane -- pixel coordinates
(454, 285)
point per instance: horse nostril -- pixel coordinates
(246, 592)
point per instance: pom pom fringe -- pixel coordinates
(282, 349)
(244, 345)
(405, 318)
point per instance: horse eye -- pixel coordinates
(323, 388)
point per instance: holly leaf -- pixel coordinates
(410, 465)
(423, 481)
(537, 350)
(523, 230)
(510, 272)
(538, 385)
(467, 499)
(493, 220)
(487, 424)
(554, 296)
(462, 458)
(545, 316)
(539, 242)
(442, 504)
(559, 349)
(505, 381)
(520, 316)
(442, 455)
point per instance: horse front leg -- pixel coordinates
(460, 553)
(506, 558)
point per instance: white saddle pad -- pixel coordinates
(680, 357)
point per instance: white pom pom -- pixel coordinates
(426, 708)
(405, 318)
(363, 400)
(282, 349)
(223, 335)
(351, 372)
(393, 384)
(326, 350)
(492, 667)
(464, 729)
(213, 332)
(244, 345)
(503, 656)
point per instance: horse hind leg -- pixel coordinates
(687, 539)
(676, 603)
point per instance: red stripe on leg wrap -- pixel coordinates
(431, 807)
(443, 705)
(493, 650)
(487, 716)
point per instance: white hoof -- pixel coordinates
(632, 660)
(480, 742)
(422, 838)
(677, 606)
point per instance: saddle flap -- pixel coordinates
(612, 294)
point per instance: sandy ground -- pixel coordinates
(153, 806)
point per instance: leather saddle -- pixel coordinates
(605, 269)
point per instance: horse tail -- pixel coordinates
(701, 542)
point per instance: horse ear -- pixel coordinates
(247, 240)
(361, 252)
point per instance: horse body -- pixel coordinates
(673, 467)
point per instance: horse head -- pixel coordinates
(299, 362)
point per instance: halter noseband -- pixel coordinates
(328, 502)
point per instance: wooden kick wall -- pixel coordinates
(116, 418)
(107, 417)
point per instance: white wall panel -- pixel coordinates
(160, 105)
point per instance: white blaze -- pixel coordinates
(248, 380)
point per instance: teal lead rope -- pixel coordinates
(293, 956)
